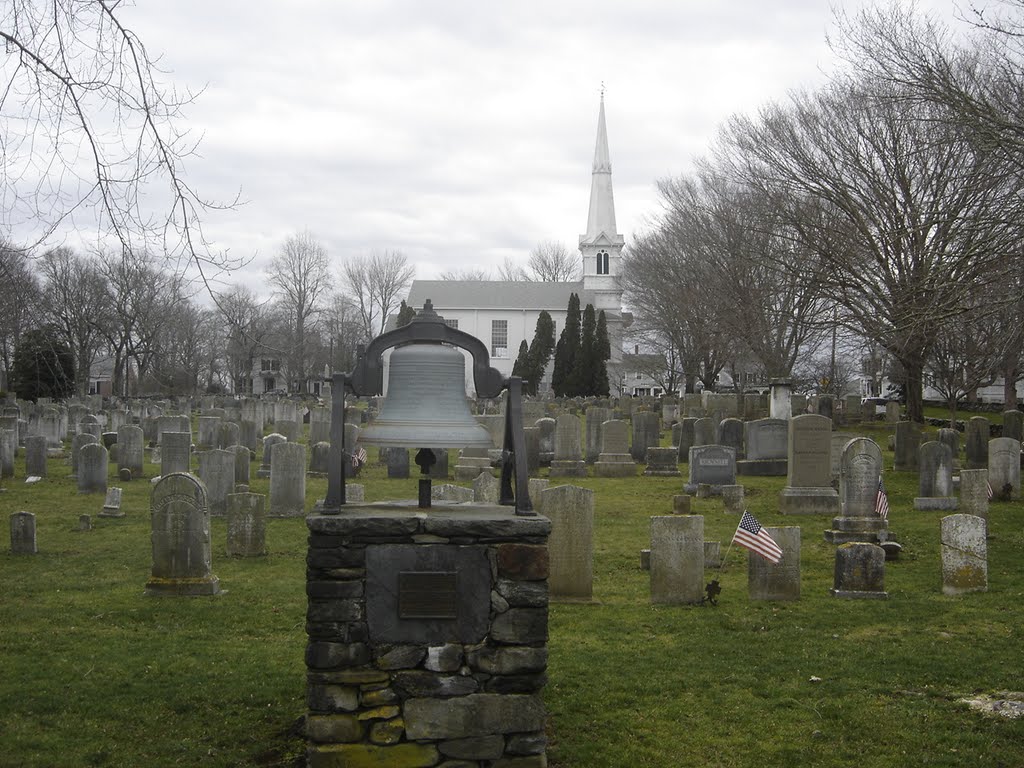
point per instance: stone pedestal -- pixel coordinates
(427, 636)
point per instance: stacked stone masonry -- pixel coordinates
(386, 690)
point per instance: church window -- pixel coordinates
(602, 263)
(499, 338)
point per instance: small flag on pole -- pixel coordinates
(881, 500)
(751, 535)
(358, 457)
(988, 485)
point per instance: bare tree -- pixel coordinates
(248, 329)
(75, 302)
(512, 272)
(376, 284)
(90, 130)
(551, 262)
(19, 302)
(902, 209)
(301, 277)
(474, 275)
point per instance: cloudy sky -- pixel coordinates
(461, 132)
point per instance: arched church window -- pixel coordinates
(602, 262)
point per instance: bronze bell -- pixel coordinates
(426, 405)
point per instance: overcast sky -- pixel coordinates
(461, 133)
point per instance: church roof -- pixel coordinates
(496, 294)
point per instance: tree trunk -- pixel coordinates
(914, 371)
(1010, 375)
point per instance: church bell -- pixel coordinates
(426, 405)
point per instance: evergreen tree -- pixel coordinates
(604, 349)
(567, 351)
(541, 349)
(43, 366)
(521, 368)
(583, 380)
(405, 315)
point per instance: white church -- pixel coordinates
(504, 313)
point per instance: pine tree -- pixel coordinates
(43, 366)
(567, 351)
(541, 349)
(521, 368)
(604, 349)
(586, 365)
(405, 315)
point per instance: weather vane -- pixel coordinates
(602, 89)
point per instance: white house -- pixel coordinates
(504, 313)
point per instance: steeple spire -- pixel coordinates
(601, 217)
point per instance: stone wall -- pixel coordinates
(427, 637)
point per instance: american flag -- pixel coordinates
(751, 535)
(358, 457)
(988, 485)
(881, 500)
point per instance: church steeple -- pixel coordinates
(601, 246)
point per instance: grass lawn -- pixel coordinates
(92, 673)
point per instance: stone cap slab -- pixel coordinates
(405, 518)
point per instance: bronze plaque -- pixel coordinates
(427, 595)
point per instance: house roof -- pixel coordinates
(495, 294)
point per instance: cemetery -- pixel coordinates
(172, 608)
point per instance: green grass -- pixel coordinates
(92, 673)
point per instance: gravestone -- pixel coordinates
(704, 431)
(319, 425)
(78, 442)
(352, 432)
(892, 412)
(248, 434)
(1004, 468)
(531, 439)
(808, 489)
(907, 447)
(935, 478)
(976, 437)
(568, 461)
(826, 406)
(661, 462)
(112, 504)
(23, 533)
(780, 404)
(439, 469)
(246, 524)
(398, 463)
(713, 466)
(288, 480)
(677, 558)
(951, 438)
(686, 438)
(180, 519)
(217, 471)
(974, 492)
(227, 435)
(1013, 425)
(781, 581)
(207, 437)
(49, 427)
(596, 417)
(8, 450)
(547, 440)
(859, 474)
(836, 445)
(275, 438)
(243, 458)
(798, 405)
(614, 459)
(175, 452)
(319, 458)
(486, 488)
(852, 409)
(571, 542)
(733, 499)
(766, 448)
(730, 433)
(646, 433)
(452, 493)
(859, 572)
(964, 554)
(35, 456)
(131, 450)
(92, 468)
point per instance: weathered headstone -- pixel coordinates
(766, 448)
(733, 499)
(452, 493)
(568, 461)
(808, 489)
(974, 492)
(907, 447)
(780, 406)
(207, 436)
(275, 438)
(892, 412)
(319, 458)
(217, 471)
(964, 554)
(77, 443)
(180, 519)
(8, 450)
(646, 433)
(704, 431)
(711, 465)
(35, 456)
(398, 463)
(23, 533)
(131, 453)
(614, 459)
(547, 440)
(1004, 468)
(836, 445)
(319, 425)
(227, 435)
(243, 459)
(677, 558)
(112, 504)
(859, 571)
(951, 438)
(776, 581)
(596, 417)
(730, 433)
(288, 480)
(92, 468)
(686, 437)
(248, 434)
(976, 437)
(175, 452)
(246, 524)
(935, 478)
(859, 475)
(661, 462)
(571, 543)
